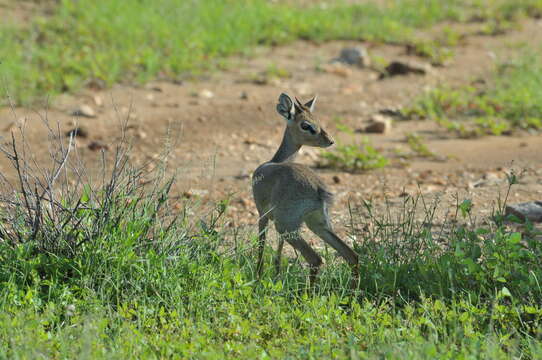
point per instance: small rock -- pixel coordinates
(531, 211)
(379, 124)
(336, 179)
(195, 193)
(77, 132)
(98, 100)
(427, 189)
(302, 88)
(354, 56)
(96, 145)
(406, 67)
(440, 181)
(249, 141)
(85, 111)
(244, 95)
(392, 112)
(337, 69)
(206, 94)
(351, 89)
(243, 202)
(242, 175)
(274, 81)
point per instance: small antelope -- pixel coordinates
(291, 194)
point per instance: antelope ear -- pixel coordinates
(286, 107)
(310, 104)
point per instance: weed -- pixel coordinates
(354, 157)
(416, 144)
(438, 50)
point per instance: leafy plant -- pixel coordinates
(416, 144)
(354, 157)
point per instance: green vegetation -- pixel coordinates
(354, 157)
(103, 42)
(113, 271)
(416, 144)
(438, 50)
(511, 100)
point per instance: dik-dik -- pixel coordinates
(291, 194)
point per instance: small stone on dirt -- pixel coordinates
(336, 179)
(531, 211)
(97, 145)
(392, 112)
(206, 94)
(406, 67)
(84, 111)
(338, 69)
(98, 100)
(302, 88)
(195, 193)
(244, 95)
(242, 175)
(354, 56)
(243, 202)
(77, 132)
(379, 124)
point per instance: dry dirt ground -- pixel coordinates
(222, 125)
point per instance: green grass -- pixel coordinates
(418, 147)
(117, 270)
(354, 157)
(134, 41)
(510, 100)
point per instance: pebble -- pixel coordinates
(195, 193)
(354, 56)
(77, 132)
(379, 124)
(97, 145)
(406, 67)
(206, 94)
(84, 111)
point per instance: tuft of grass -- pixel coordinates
(416, 144)
(510, 100)
(354, 157)
(106, 42)
(438, 50)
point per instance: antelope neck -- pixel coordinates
(288, 149)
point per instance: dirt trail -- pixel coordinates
(226, 124)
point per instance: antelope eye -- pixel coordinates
(308, 127)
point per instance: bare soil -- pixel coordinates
(222, 125)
